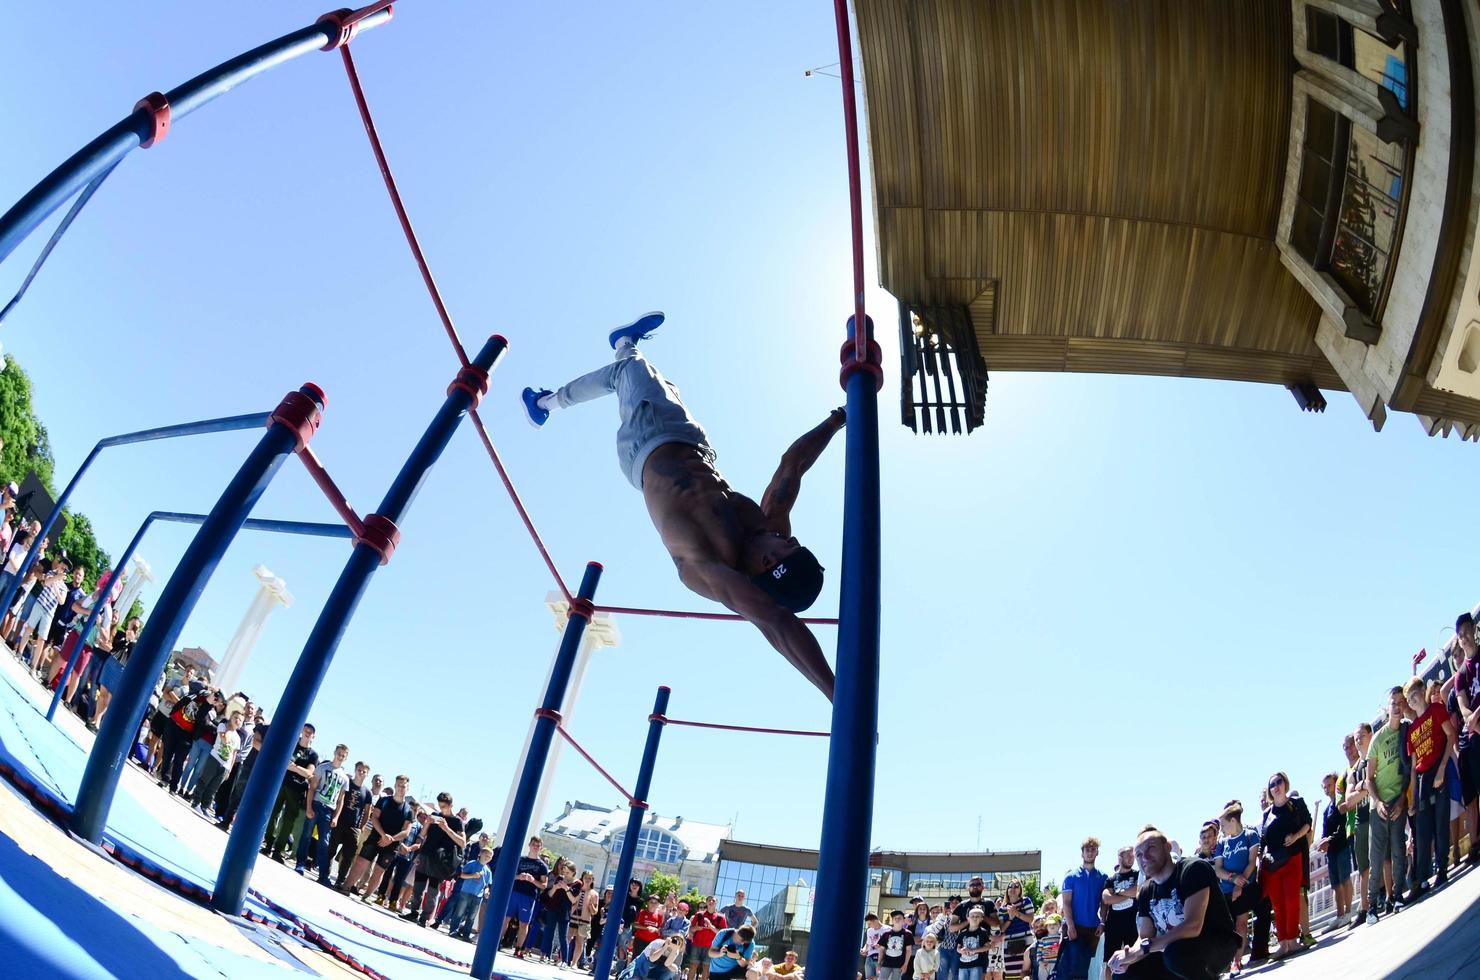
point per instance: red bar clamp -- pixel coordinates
(472, 379)
(158, 108)
(380, 534)
(300, 412)
(874, 365)
(347, 23)
(549, 713)
(583, 608)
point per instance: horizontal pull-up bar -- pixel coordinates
(711, 724)
(156, 112)
(736, 728)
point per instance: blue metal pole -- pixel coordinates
(115, 143)
(307, 528)
(847, 815)
(511, 848)
(253, 421)
(235, 872)
(293, 421)
(606, 952)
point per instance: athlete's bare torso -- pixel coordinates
(699, 516)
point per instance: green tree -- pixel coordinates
(660, 884)
(1033, 888)
(694, 897)
(27, 447)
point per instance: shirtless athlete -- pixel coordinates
(725, 546)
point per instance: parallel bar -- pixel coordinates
(847, 816)
(229, 424)
(608, 947)
(174, 517)
(116, 734)
(114, 143)
(522, 812)
(235, 872)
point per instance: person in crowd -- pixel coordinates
(111, 670)
(344, 841)
(789, 967)
(1467, 704)
(649, 924)
(1358, 811)
(896, 947)
(397, 889)
(559, 899)
(703, 927)
(1457, 829)
(180, 736)
(1337, 847)
(529, 880)
(202, 735)
(873, 928)
(225, 748)
(1119, 902)
(287, 809)
(582, 915)
(676, 921)
(731, 952)
(35, 625)
(1207, 841)
(61, 623)
(738, 914)
(323, 807)
(926, 961)
(632, 907)
(1016, 911)
(949, 960)
(1236, 868)
(1387, 787)
(440, 850)
(1184, 926)
(1431, 735)
(246, 761)
(972, 943)
(174, 687)
(473, 880)
(659, 960)
(1080, 900)
(1282, 834)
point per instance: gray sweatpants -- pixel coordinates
(1388, 839)
(652, 412)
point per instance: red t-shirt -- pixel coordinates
(648, 926)
(1426, 737)
(706, 926)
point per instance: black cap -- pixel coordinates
(794, 582)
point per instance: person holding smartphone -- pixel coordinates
(731, 953)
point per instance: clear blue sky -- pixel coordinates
(1114, 574)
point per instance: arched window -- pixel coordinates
(653, 844)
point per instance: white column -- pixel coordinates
(133, 584)
(600, 632)
(272, 593)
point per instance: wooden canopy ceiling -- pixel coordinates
(1096, 181)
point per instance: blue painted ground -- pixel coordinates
(50, 927)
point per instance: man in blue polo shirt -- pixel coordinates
(1080, 904)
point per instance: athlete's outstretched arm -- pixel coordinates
(782, 630)
(781, 494)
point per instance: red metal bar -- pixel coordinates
(685, 614)
(631, 800)
(855, 180)
(331, 491)
(745, 728)
(390, 185)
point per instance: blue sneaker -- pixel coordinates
(640, 329)
(537, 416)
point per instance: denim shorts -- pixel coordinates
(1340, 866)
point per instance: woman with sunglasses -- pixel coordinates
(1286, 824)
(1016, 910)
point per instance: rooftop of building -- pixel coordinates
(590, 822)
